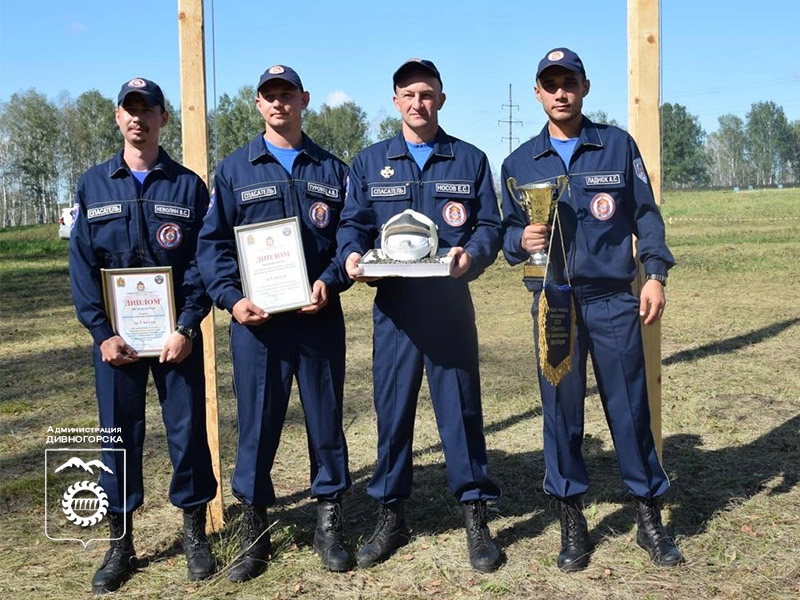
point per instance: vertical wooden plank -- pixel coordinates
(644, 122)
(195, 157)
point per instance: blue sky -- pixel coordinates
(718, 57)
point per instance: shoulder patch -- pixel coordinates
(638, 167)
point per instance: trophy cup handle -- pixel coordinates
(561, 186)
(511, 184)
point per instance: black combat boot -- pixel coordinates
(576, 545)
(390, 533)
(483, 553)
(199, 560)
(252, 560)
(328, 540)
(120, 560)
(653, 537)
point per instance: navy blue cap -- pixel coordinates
(281, 72)
(416, 64)
(561, 57)
(148, 90)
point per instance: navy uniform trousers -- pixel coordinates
(609, 329)
(121, 403)
(428, 322)
(265, 360)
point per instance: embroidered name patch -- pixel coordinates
(102, 211)
(320, 214)
(603, 207)
(454, 188)
(613, 179)
(454, 213)
(387, 191)
(262, 192)
(318, 188)
(173, 211)
(169, 235)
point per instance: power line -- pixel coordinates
(511, 106)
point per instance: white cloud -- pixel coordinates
(337, 98)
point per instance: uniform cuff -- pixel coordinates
(101, 333)
(655, 267)
(229, 299)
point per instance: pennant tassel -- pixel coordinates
(556, 325)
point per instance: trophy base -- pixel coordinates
(533, 272)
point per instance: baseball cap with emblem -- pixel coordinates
(561, 57)
(409, 236)
(418, 64)
(148, 90)
(281, 72)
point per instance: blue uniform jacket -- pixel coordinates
(117, 226)
(251, 186)
(607, 201)
(455, 190)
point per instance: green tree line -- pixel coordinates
(45, 145)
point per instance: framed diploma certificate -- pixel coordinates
(140, 304)
(272, 265)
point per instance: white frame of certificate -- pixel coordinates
(272, 265)
(139, 321)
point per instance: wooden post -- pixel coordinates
(644, 122)
(195, 157)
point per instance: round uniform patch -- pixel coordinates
(603, 207)
(137, 83)
(277, 70)
(320, 214)
(169, 235)
(454, 214)
(555, 55)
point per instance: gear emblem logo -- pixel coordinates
(96, 504)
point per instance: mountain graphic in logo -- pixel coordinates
(77, 462)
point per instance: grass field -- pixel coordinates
(731, 429)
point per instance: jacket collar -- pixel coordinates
(257, 149)
(590, 136)
(118, 168)
(442, 146)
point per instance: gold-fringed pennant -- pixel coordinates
(556, 325)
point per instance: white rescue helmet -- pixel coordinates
(409, 236)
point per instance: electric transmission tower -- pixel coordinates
(511, 106)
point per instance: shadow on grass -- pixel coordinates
(27, 289)
(725, 346)
(704, 482)
(731, 344)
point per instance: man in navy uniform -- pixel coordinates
(425, 322)
(142, 209)
(608, 200)
(279, 174)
